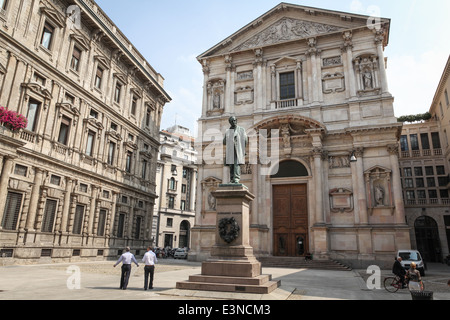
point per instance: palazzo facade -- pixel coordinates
(79, 181)
(176, 179)
(312, 85)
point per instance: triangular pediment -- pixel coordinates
(287, 23)
(287, 29)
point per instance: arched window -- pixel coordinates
(172, 184)
(289, 169)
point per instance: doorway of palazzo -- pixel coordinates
(290, 220)
(427, 237)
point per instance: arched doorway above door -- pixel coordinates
(289, 169)
(185, 228)
(427, 239)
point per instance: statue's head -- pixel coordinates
(233, 121)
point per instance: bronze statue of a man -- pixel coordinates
(236, 141)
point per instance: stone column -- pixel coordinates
(315, 79)
(8, 162)
(273, 77)
(317, 154)
(255, 204)
(8, 80)
(379, 39)
(228, 88)
(92, 210)
(193, 190)
(361, 192)
(111, 217)
(258, 81)
(205, 87)
(397, 185)
(299, 80)
(355, 191)
(66, 208)
(34, 200)
(348, 47)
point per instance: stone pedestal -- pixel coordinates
(232, 266)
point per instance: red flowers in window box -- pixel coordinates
(12, 120)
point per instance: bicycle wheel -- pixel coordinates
(391, 284)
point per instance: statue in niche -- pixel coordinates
(368, 83)
(216, 100)
(211, 202)
(286, 135)
(379, 195)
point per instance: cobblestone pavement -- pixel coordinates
(106, 267)
(100, 281)
(435, 280)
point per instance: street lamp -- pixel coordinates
(353, 157)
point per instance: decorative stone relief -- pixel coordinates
(209, 185)
(244, 95)
(333, 61)
(333, 83)
(337, 162)
(287, 29)
(244, 76)
(341, 200)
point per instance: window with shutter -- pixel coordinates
(76, 57)
(47, 36)
(12, 211)
(121, 225)
(64, 129)
(49, 215)
(101, 223)
(78, 221)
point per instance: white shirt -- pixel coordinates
(127, 258)
(149, 258)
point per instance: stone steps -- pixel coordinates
(259, 285)
(300, 263)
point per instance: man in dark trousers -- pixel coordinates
(399, 271)
(149, 260)
(126, 260)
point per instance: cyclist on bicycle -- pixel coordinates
(415, 279)
(399, 271)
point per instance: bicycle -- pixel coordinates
(393, 284)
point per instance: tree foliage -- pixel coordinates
(415, 118)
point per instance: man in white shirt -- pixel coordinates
(149, 260)
(126, 260)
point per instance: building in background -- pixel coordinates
(176, 180)
(424, 172)
(79, 180)
(425, 169)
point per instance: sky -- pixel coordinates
(171, 34)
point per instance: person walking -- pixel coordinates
(415, 279)
(399, 271)
(149, 260)
(126, 260)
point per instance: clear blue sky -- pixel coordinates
(170, 34)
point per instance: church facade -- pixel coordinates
(310, 87)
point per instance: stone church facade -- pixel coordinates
(312, 84)
(79, 181)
